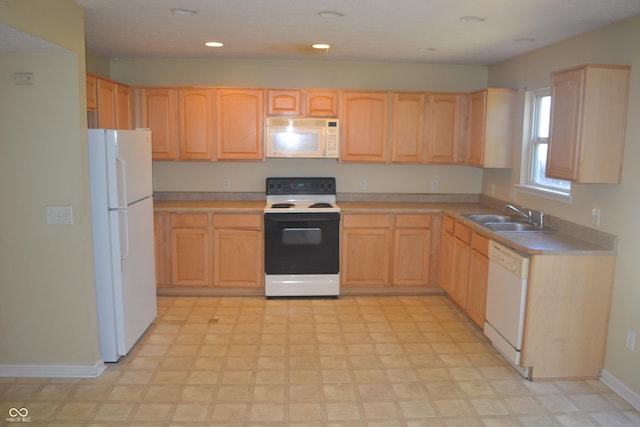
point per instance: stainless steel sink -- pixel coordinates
(504, 223)
(485, 218)
(510, 226)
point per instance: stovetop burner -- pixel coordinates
(282, 205)
(321, 205)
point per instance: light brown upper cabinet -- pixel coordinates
(109, 104)
(284, 103)
(92, 95)
(442, 127)
(364, 117)
(106, 104)
(124, 107)
(321, 103)
(239, 121)
(490, 117)
(159, 112)
(407, 128)
(197, 119)
(588, 122)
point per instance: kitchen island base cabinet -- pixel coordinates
(566, 318)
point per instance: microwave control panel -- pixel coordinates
(333, 136)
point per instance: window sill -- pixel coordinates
(544, 193)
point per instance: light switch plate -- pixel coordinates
(59, 215)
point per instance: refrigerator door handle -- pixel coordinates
(125, 237)
(122, 184)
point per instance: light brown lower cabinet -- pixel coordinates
(366, 244)
(477, 280)
(208, 250)
(465, 268)
(190, 247)
(386, 250)
(238, 250)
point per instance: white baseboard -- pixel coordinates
(622, 390)
(53, 371)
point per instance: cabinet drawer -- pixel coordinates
(237, 221)
(462, 232)
(480, 244)
(413, 221)
(190, 220)
(366, 221)
(449, 223)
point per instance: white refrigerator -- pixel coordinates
(123, 242)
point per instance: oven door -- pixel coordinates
(302, 243)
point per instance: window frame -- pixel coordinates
(532, 141)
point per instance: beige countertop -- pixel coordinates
(558, 243)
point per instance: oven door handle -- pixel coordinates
(300, 217)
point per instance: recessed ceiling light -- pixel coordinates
(214, 44)
(321, 46)
(180, 11)
(330, 14)
(426, 49)
(473, 19)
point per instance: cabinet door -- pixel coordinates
(159, 112)
(321, 103)
(411, 256)
(190, 249)
(239, 124)
(477, 119)
(442, 128)
(162, 240)
(478, 275)
(196, 124)
(407, 128)
(364, 126)
(190, 256)
(92, 97)
(446, 269)
(284, 102)
(238, 258)
(124, 111)
(562, 154)
(365, 256)
(460, 272)
(106, 104)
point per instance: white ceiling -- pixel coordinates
(370, 30)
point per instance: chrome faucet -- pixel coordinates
(527, 214)
(522, 211)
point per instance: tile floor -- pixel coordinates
(355, 361)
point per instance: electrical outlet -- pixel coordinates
(363, 184)
(630, 343)
(595, 217)
(434, 185)
(226, 183)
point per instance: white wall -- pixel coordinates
(47, 293)
(250, 176)
(619, 204)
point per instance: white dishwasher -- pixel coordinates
(506, 301)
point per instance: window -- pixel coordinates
(538, 144)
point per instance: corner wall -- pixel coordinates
(48, 320)
(619, 204)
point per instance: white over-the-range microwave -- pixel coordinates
(307, 138)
